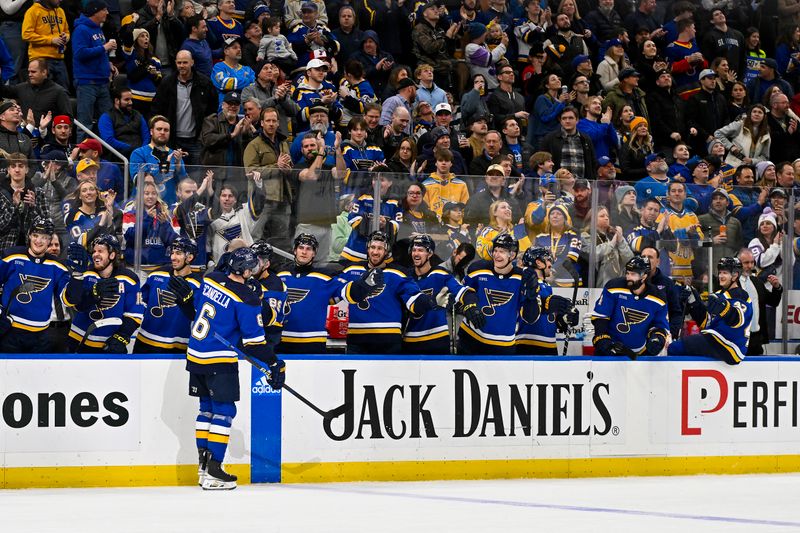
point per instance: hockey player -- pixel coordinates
(227, 306)
(32, 282)
(274, 294)
(724, 320)
(558, 313)
(167, 296)
(630, 317)
(429, 333)
(502, 297)
(309, 291)
(106, 290)
(375, 322)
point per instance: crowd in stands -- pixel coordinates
(271, 118)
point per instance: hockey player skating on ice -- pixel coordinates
(106, 290)
(724, 320)
(558, 313)
(502, 297)
(167, 296)
(375, 322)
(228, 306)
(429, 334)
(630, 317)
(31, 279)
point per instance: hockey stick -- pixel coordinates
(103, 322)
(570, 268)
(334, 413)
(26, 286)
(621, 349)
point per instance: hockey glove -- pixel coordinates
(620, 349)
(530, 285)
(105, 288)
(603, 345)
(473, 314)
(254, 285)
(568, 320)
(182, 289)
(557, 305)
(277, 374)
(718, 305)
(689, 295)
(77, 258)
(371, 282)
(655, 342)
(116, 344)
(422, 305)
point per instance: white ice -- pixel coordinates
(752, 503)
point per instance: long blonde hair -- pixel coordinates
(493, 222)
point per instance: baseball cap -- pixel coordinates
(85, 164)
(309, 6)
(579, 59)
(627, 73)
(5, 105)
(405, 82)
(652, 157)
(721, 192)
(706, 73)
(61, 119)
(449, 206)
(603, 161)
(232, 97)
(771, 63)
(581, 183)
(319, 109)
(316, 63)
(614, 42)
(495, 168)
(230, 41)
(54, 154)
(91, 144)
(443, 107)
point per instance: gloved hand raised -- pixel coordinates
(277, 375)
(105, 288)
(718, 305)
(181, 288)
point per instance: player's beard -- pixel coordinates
(634, 285)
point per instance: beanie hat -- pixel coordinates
(475, 30)
(563, 209)
(93, 6)
(761, 167)
(622, 191)
(768, 216)
(5, 105)
(137, 32)
(637, 121)
(712, 143)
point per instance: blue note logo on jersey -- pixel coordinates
(495, 299)
(364, 305)
(33, 284)
(428, 291)
(630, 318)
(294, 296)
(104, 305)
(165, 299)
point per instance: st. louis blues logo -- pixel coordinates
(106, 304)
(292, 297)
(495, 299)
(165, 299)
(364, 304)
(29, 285)
(631, 317)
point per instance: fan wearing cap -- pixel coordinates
(706, 112)
(614, 60)
(480, 58)
(142, 67)
(294, 11)
(768, 76)
(314, 91)
(12, 140)
(224, 26)
(225, 134)
(108, 176)
(430, 44)
(726, 230)
(229, 74)
(56, 180)
(311, 36)
(405, 97)
(59, 136)
(626, 93)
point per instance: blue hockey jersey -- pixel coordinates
(429, 333)
(230, 309)
(47, 279)
(361, 213)
(273, 300)
(542, 332)
(164, 324)
(731, 334)
(628, 318)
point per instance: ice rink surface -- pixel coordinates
(751, 503)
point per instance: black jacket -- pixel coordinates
(668, 107)
(707, 112)
(784, 146)
(553, 143)
(674, 301)
(204, 101)
(49, 96)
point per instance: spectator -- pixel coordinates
(763, 291)
(197, 45)
(313, 90)
(225, 135)
(158, 232)
(495, 190)
(294, 11)
(747, 141)
(90, 65)
(572, 43)
(319, 123)
(107, 175)
(355, 92)
(766, 245)
(185, 98)
(191, 217)
(706, 112)
(89, 214)
(377, 64)
(625, 214)
(604, 21)
(123, 127)
(611, 65)
(348, 34)
(596, 124)
(20, 203)
(404, 159)
(644, 17)
(275, 47)
(685, 225)
(663, 102)
(559, 236)
(611, 249)
(786, 52)
(571, 149)
(442, 186)
(515, 146)
(271, 89)
(726, 230)
(505, 101)
(417, 219)
(229, 74)
(46, 31)
(493, 146)
(251, 43)
(59, 136)
(768, 77)
(430, 45)
(685, 57)
(500, 220)
(701, 187)
(56, 182)
(164, 28)
(311, 37)
(546, 110)
(480, 58)
(143, 69)
(405, 97)
(11, 139)
(231, 222)
(165, 164)
(443, 118)
(627, 92)
(224, 26)
(477, 129)
(783, 129)
(766, 175)
(653, 232)
(473, 102)
(648, 64)
(39, 93)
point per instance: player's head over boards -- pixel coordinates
(242, 264)
(637, 272)
(263, 251)
(504, 252)
(305, 249)
(421, 249)
(729, 270)
(40, 234)
(106, 253)
(182, 252)
(540, 259)
(379, 248)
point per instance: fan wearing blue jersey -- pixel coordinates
(274, 293)
(429, 333)
(724, 320)
(106, 290)
(167, 295)
(32, 282)
(375, 322)
(630, 317)
(558, 313)
(362, 213)
(504, 293)
(226, 306)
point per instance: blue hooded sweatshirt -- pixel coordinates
(90, 64)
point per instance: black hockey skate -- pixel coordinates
(216, 478)
(203, 456)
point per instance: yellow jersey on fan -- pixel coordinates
(686, 227)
